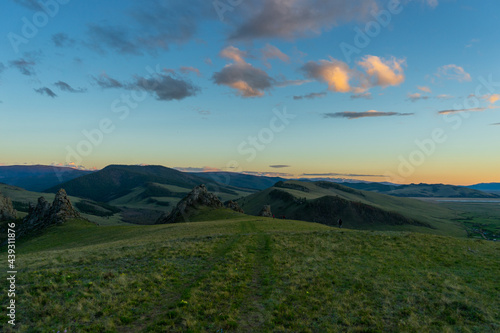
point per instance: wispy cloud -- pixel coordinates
(165, 87)
(66, 87)
(335, 174)
(195, 169)
(466, 110)
(365, 95)
(25, 66)
(268, 174)
(453, 72)
(416, 97)
(189, 69)
(272, 52)
(279, 166)
(62, 40)
(106, 82)
(425, 89)
(367, 114)
(496, 124)
(298, 18)
(45, 91)
(310, 96)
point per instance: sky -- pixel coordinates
(398, 91)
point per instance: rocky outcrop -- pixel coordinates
(197, 198)
(234, 206)
(44, 214)
(266, 211)
(7, 211)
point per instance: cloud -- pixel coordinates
(25, 66)
(464, 110)
(334, 174)
(194, 169)
(272, 52)
(2, 67)
(497, 124)
(247, 80)
(453, 72)
(341, 78)
(150, 28)
(425, 89)
(444, 96)
(279, 166)
(366, 95)
(493, 98)
(416, 97)
(30, 4)
(62, 40)
(165, 87)
(370, 113)
(286, 83)
(383, 72)
(189, 69)
(66, 87)
(267, 174)
(106, 82)
(234, 54)
(45, 91)
(335, 73)
(310, 96)
(298, 18)
(115, 38)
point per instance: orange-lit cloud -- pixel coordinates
(425, 89)
(341, 78)
(383, 72)
(234, 54)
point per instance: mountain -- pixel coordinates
(38, 177)
(240, 180)
(325, 202)
(144, 182)
(487, 187)
(423, 190)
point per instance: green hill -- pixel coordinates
(250, 274)
(116, 181)
(423, 190)
(325, 202)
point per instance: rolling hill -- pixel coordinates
(38, 177)
(423, 190)
(240, 180)
(117, 181)
(325, 202)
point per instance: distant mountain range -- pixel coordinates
(38, 177)
(114, 181)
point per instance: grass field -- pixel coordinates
(247, 274)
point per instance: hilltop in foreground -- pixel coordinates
(251, 274)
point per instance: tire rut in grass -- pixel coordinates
(254, 311)
(169, 310)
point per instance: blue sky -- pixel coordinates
(262, 87)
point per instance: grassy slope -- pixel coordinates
(253, 274)
(437, 216)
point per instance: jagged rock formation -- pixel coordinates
(234, 206)
(198, 197)
(266, 211)
(7, 211)
(45, 214)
